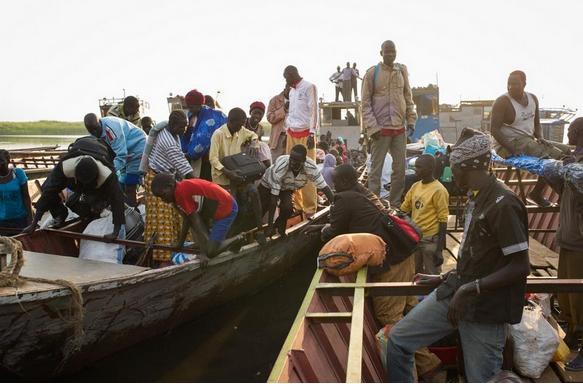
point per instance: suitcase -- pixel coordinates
(249, 167)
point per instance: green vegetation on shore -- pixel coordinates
(42, 127)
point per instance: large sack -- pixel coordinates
(347, 253)
(535, 342)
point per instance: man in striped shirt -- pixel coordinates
(289, 173)
(163, 154)
(301, 124)
(167, 156)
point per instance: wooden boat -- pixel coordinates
(36, 162)
(123, 304)
(333, 336)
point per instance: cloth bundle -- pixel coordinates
(347, 253)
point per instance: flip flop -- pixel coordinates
(575, 365)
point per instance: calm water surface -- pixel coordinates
(31, 141)
(236, 342)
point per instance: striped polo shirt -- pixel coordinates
(167, 156)
(279, 177)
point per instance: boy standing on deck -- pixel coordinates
(186, 196)
(427, 203)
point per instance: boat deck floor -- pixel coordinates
(78, 271)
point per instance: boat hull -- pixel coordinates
(122, 312)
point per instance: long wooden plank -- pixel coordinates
(354, 365)
(281, 361)
(533, 285)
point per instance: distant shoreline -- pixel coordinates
(42, 127)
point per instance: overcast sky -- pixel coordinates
(59, 57)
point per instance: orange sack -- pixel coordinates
(347, 253)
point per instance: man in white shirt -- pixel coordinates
(288, 174)
(347, 74)
(335, 78)
(301, 125)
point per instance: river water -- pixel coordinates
(31, 141)
(236, 342)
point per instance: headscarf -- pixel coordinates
(257, 105)
(329, 165)
(475, 152)
(194, 97)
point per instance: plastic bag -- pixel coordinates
(544, 301)
(532, 164)
(535, 342)
(563, 352)
(433, 142)
(98, 251)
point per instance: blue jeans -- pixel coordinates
(221, 227)
(427, 322)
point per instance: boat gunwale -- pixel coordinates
(51, 291)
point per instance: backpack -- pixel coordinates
(404, 236)
(91, 146)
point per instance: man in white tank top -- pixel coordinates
(515, 125)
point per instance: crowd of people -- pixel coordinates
(190, 187)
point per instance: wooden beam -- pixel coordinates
(523, 182)
(354, 364)
(127, 243)
(330, 317)
(533, 285)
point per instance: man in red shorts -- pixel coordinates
(187, 196)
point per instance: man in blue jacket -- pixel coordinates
(128, 142)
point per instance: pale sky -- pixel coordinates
(59, 57)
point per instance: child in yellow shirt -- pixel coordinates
(428, 204)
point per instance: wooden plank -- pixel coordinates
(332, 317)
(354, 364)
(280, 363)
(553, 272)
(329, 350)
(538, 254)
(542, 272)
(302, 366)
(553, 262)
(533, 285)
(76, 270)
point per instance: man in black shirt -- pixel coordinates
(85, 175)
(487, 289)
